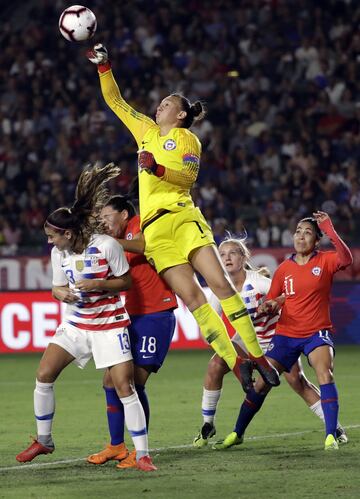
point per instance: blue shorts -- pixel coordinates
(150, 337)
(286, 350)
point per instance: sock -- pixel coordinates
(44, 408)
(209, 403)
(144, 401)
(235, 310)
(214, 331)
(317, 410)
(115, 416)
(330, 407)
(251, 405)
(136, 424)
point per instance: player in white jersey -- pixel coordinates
(89, 271)
(253, 286)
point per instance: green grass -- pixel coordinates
(282, 457)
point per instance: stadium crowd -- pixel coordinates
(280, 80)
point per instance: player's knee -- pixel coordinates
(324, 375)
(220, 286)
(193, 298)
(296, 381)
(45, 374)
(124, 387)
(107, 381)
(217, 368)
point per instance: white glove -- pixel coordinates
(98, 55)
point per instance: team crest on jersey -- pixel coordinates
(94, 261)
(316, 271)
(129, 236)
(170, 145)
(79, 265)
(270, 347)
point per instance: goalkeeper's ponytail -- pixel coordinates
(194, 112)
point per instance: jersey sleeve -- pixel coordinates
(332, 261)
(190, 151)
(343, 254)
(137, 123)
(115, 256)
(263, 284)
(276, 287)
(59, 277)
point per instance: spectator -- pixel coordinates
(283, 105)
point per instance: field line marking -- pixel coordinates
(161, 449)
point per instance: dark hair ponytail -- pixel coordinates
(91, 194)
(120, 203)
(194, 112)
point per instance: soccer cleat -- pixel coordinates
(128, 462)
(341, 436)
(243, 370)
(116, 452)
(229, 441)
(207, 431)
(145, 464)
(267, 370)
(35, 449)
(331, 443)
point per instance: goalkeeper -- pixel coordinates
(178, 240)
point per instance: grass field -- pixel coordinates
(282, 457)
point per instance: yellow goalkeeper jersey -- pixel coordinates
(179, 151)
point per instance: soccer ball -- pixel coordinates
(77, 23)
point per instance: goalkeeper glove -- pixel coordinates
(146, 161)
(99, 55)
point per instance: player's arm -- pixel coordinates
(184, 178)
(64, 294)
(137, 123)
(344, 256)
(121, 279)
(60, 284)
(275, 298)
(189, 162)
(135, 245)
(115, 284)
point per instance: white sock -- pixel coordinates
(209, 403)
(317, 410)
(44, 408)
(136, 424)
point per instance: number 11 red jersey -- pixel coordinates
(307, 294)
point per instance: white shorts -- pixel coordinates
(108, 348)
(264, 342)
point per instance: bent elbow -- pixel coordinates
(127, 282)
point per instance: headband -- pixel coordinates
(54, 226)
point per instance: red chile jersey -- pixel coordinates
(307, 294)
(149, 293)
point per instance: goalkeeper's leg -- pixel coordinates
(183, 281)
(207, 261)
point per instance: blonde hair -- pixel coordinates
(243, 249)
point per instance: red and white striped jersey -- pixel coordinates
(102, 259)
